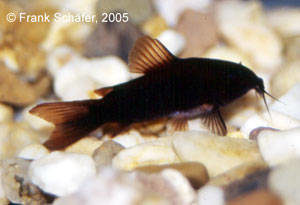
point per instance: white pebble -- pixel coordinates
(285, 182)
(279, 146)
(172, 40)
(277, 120)
(181, 184)
(208, 195)
(109, 70)
(156, 152)
(60, 57)
(72, 83)
(289, 103)
(80, 76)
(109, 187)
(33, 152)
(61, 173)
(170, 10)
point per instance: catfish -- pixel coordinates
(176, 88)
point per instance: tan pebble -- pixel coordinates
(14, 137)
(195, 172)
(6, 113)
(149, 153)
(238, 173)
(218, 154)
(293, 49)
(236, 134)
(259, 197)
(6, 149)
(86, 145)
(8, 56)
(20, 49)
(62, 33)
(17, 92)
(106, 152)
(242, 24)
(155, 26)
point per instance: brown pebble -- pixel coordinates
(252, 182)
(258, 197)
(199, 30)
(17, 186)
(17, 92)
(195, 172)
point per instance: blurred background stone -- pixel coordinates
(112, 38)
(17, 186)
(17, 92)
(195, 172)
(138, 10)
(105, 153)
(166, 187)
(199, 30)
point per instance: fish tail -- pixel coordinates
(73, 120)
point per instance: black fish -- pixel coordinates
(170, 87)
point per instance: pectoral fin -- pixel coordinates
(179, 124)
(215, 123)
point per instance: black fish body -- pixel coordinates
(170, 87)
(182, 86)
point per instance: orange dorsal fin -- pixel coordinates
(148, 54)
(103, 91)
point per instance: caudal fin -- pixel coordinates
(72, 120)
